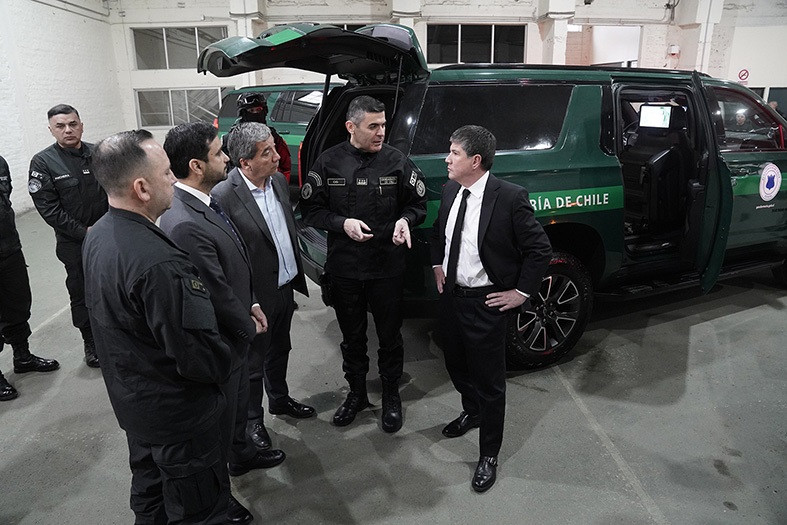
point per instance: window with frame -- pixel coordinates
(173, 47)
(170, 107)
(744, 125)
(522, 117)
(472, 43)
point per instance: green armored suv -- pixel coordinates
(644, 180)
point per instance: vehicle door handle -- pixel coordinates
(740, 172)
(283, 132)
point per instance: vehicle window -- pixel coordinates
(297, 106)
(660, 99)
(229, 106)
(746, 124)
(522, 117)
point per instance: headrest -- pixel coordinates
(678, 120)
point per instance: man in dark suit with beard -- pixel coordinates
(489, 255)
(198, 225)
(256, 198)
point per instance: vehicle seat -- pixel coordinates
(654, 174)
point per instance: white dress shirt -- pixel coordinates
(273, 213)
(203, 197)
(469, 271)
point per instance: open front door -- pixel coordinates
(710, 199)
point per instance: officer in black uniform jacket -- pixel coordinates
(367, 195)
(15, 299)
(67, 196)
(161, 354)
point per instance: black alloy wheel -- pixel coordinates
(552, 322)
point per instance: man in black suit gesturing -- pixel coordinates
(198, 225)
(489, 255)
(256, 198)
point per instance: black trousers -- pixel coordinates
(15, 300)
(70, 254)
(383, 297)
(474, 338)
(236, 445)
(269, 354)
(179, 483)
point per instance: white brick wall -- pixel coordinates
(51, 56)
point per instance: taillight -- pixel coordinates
(300, 173)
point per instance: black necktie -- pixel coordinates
(214, 205)
(456, 241)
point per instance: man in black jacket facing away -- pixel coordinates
(161, 354)
(15, 296)
(67, 196)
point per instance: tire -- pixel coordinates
(554, 320)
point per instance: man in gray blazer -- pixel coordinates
(199, 226)
(256, 198)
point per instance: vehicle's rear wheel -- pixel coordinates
(553, 321)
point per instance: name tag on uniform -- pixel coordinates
(362, 182)
(388, 181)
(63, 176)
(336, 182)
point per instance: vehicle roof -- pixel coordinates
(483, 72)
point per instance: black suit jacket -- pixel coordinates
(515, 250)
(237, 201)
(222, 263)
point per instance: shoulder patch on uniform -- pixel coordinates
(316, 177)
(413, 179)
(36, 174)
(196, 286)
(420, 188)
(306, 191)
(33, 185)
(388, 181)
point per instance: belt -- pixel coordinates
(464, 291)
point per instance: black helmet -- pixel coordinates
(251, 100)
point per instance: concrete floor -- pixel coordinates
(670, 411)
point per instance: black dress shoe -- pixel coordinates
(7, 391)
(237, 513)
(460, 426)
(485, 473)
(292, 408)
(33, 363)
(259, 435)
(345, 414)
(262, 459)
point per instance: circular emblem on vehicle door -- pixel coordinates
(33, 185)
(420, 188)
(770, 181)
(306, 191)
